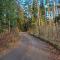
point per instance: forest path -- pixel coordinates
(29, 48)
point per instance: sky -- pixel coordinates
(24, 4)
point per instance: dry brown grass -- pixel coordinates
(7, 39)
(48, 31)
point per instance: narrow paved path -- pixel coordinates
(29, 48)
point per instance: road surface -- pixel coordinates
(29, 48)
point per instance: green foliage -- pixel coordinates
(57, 19)
(42, 10)
(34, 9)
(1, 30)
(8, 13)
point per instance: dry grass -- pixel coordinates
(48, 31)
(7, 39)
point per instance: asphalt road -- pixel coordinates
(29, 48)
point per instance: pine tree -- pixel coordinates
(8, 14)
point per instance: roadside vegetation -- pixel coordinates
(8, 23)
(47, 29)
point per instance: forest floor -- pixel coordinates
(31, 48)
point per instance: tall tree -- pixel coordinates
(8, 14)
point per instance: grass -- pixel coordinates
(7, 39)
(49, 32)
